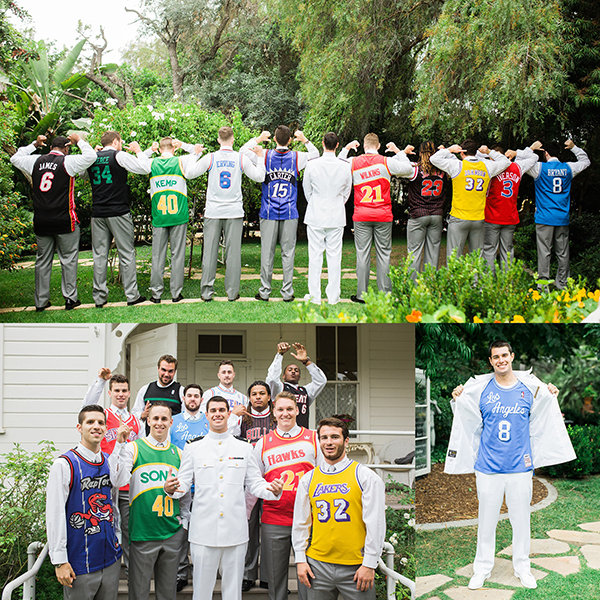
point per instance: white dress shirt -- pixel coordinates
(25, 160)
(583, 162)
(450, 163)
(139, 405)
(373, 512)
(314, 388)
(57, 492)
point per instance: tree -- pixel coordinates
(12, 44)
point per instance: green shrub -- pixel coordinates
(586, 443)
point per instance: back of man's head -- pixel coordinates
(283, 135)
(226, 135)
(109, 137)
(469, 147)
(371, 141)
(553, 149)
(166, 144)
(330, 140)
(60, 142)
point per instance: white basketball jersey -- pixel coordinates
(224, 191)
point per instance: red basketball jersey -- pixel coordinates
(501, 201)
(110, 439)
(289, 459)
(371, 180)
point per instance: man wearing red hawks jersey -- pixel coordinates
(287, 452)
(371, 174)
(501, 212)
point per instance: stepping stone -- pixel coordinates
(430, 582)
(592, 555)
(542, 546)
(502, 573)
(464, 593)
(564, 565)
(595, 526)
(574, 537)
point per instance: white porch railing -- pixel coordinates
(27, 579)
(387, 567)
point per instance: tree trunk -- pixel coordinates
(176, 71)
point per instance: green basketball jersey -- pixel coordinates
(152, 514)
(168, 190)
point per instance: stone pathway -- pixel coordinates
(575, 546)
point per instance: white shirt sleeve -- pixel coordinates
(23, 160)
(185, 475)
(583, 162)
(373, 515)
(76, 163)
(400, 165)
(274, 375)
(304, 157)
(139, 163)
(317, 383)
(307, 184)
(498, 163)
(258, 447)
(121, 463)
(195, 167)
(139, 404)
(254, 481)
(57, 492)
(257, 171)
(302, 519)
(94, 393)
(526, 159)
(446, 161)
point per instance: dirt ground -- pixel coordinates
(441, 497)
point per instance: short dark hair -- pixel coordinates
(470, 147)
(287, 395)
(117, 378)
(160, 403)
(218, 399)
(330, 140)
(333, 422)
(90, 408)
(553, 149)
(499, 344)
(109, 137)
(167, 358)
(60, 141)
(225, 362)
(191, 385)
(283, 135)
(259, 382)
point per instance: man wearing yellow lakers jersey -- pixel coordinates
(340, 507)
(471, 178)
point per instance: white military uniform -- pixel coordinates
(550, 445)
(220, 467)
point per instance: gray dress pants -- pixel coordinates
(424, 237)
(99, 585)
(497, 240)
(232, 232)
(272, 232)
(548, 236)
(365, 233)
(251, 561)
(104, 229)
(161, 236)
(331, 579)
(460, 232)
(67, 247)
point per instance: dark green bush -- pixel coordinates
(586, 443)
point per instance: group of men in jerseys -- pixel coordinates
(181, 451)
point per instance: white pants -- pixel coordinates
(229, 561)
(328, 240)
(491, 490)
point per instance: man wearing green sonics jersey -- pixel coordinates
(170, 215)
(157, 523)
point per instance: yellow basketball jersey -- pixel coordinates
(338, 530)
(469, 190)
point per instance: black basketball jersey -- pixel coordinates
(53, 197)
(302, 401)
(110, 192)
(426, 195)
(259, 426)
(169, 394)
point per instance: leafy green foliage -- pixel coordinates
(586, 443)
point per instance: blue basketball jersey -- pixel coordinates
(91, 541)
(183, 431)
(505, 445)
(280, 188)
(553, 194)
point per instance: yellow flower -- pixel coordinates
(580, 304)
(536, 295)
(555, 318)
(566, 297)
(518, 319)
(476, 319)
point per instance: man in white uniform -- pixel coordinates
(327, 184)
(220, 467)
(506, 423)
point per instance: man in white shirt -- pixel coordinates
(55, 222)
(84, 548)
(305, 395)
(340, 508)
(327, 184)
(220, 467)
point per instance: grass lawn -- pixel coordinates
(444, 551)
(17, 289)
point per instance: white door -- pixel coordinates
(423, 423)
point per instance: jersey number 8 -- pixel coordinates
(504, 431)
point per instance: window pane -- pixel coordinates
(347, 360)
(326, 352)
(208, 344)
(421, 454)
(232, 344)
(328, 405)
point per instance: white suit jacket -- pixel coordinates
(550, 443)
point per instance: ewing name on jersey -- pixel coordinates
(505, 445)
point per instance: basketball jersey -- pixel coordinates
(257, 428)
(185, 430)
(224, 190)
(169, 394)
(110, 192)
(301, 400)
(168, 191)
(112, 425)
(91, 541)
(233, 396)
(152, 514)
(553, 194)
(505, 445)
(501, 203)
(53, 197)
(280, 188)
(371, 180)
(288, 459)
(426, 194)
(338, 529)
(469, 190)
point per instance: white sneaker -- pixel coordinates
(477, 581)
(527, 580)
